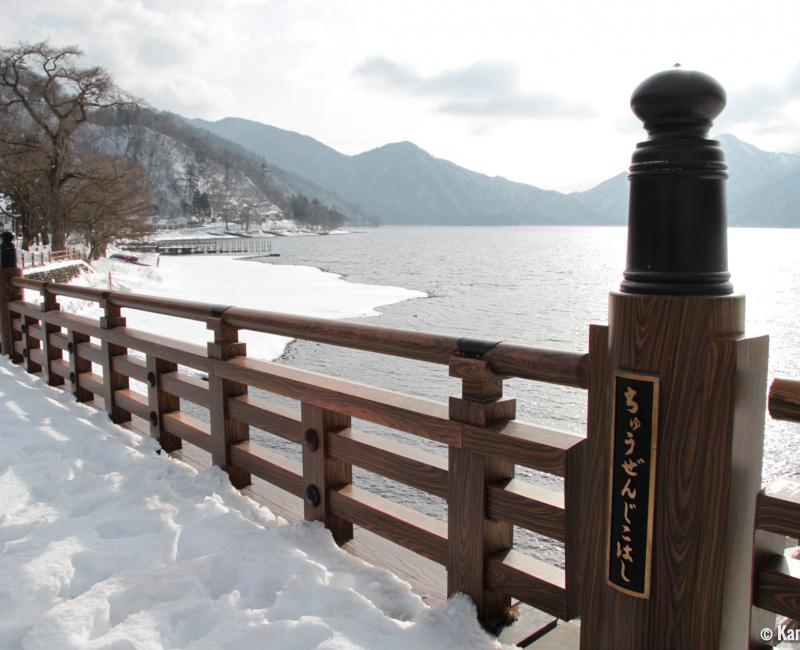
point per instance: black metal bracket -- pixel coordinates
(475, 348)
(313, 496)
(218, 310)
(312, 439)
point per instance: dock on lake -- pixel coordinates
(206, 246)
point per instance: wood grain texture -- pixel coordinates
(91, 383)
(528, 506)
(61, 368)
(78, 365)
(113, 381)
(777, 586)
(471, 533)
(784, 400)
(403, 463)
(59, 339)
(188, 428)
(225, 431)
(778, 508)
(553, 366)
(184, 386)
(272, 418)
(532, 446)
(30, 342)
(412, 530)
(672, 337)
(746, 452)
(49, 353)
(534, 582)
(324, 472)
(396, 410)
(269, 466)
(160, 401)
(132, 402)
(130, 366)
(91, 351)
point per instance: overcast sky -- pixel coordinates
(534, 91)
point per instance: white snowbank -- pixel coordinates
(104, 544)
(225, 280)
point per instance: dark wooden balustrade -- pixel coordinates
(484, 440)
(777, 577)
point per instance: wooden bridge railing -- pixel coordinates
(485, 442)
(660, 498)
(777, 577)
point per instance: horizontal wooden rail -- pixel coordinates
(784, 400)
(778, 508)
(403, 412)
(59, 340)
(393, 460)
(528, 506)
(553, 366)
(480, 456)
(186, 354)
(533, 582)
(420, 533)
(91, 351)
(269, 466)
(187, 428)
(91, 382)
(272, 418)
(133, 402)
(186, 387)
(60, 367)
(539, 448)
(777, 587)
(130, 366)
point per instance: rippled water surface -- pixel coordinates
(540, 286)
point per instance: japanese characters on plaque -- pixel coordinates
(633, 456)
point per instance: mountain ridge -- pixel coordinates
(404, 184)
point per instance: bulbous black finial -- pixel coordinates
(678, 99)
(677, 231)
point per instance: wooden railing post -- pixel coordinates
(322, 473)
(49, 352)
(225, 431)
(472, 537)
(8, 270)
(677, 412)
(112, 381)
(160, 402)
(77, 365)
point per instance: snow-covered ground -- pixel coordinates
(229, 281)
(105, 544)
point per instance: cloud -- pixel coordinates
(765, 104)
(487, 89)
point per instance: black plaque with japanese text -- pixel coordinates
(633, 470)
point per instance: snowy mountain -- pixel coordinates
(763, 188)
(195, 174)
(403, 183)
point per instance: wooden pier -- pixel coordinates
(206, 246)
(670, 542)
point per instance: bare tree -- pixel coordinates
(47, 97)
(109, 200)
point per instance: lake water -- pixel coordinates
(540, 286)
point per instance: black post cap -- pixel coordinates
(8, 252)
(677, 239)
